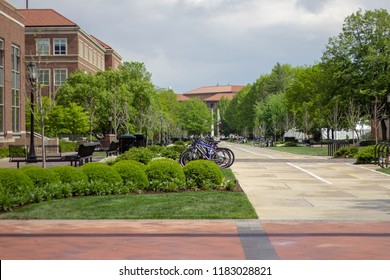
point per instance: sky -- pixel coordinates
(187, 44)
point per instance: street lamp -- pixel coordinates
(33, 75)
(110, 123)
(161, 136)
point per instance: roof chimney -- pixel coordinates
(27, 4)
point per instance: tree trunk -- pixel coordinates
(384, 130)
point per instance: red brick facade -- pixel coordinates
(12, 75)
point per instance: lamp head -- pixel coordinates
(32, 70)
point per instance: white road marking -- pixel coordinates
(257, 154)
(310, 173)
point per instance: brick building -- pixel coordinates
(12, 75)
(60, 47)
(212, 94)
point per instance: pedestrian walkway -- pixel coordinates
(308, 208)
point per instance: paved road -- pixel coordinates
(294, 187)
(308, 208)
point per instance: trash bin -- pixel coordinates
(140, 140)
(126, 141)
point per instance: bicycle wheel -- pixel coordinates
(232, 157)
(188, 155)
(222, 157)
(383, 159)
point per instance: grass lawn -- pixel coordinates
(303, 150)
(184, 205)
(384, 170)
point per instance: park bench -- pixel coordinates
(113, 149)
(19, 153)
(84, 155)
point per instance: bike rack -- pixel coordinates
(335, 145)
(379, 150)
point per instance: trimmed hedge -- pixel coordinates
(41, 177)
(97, 171)
(133, 174)
(141, 154)
(346, 152)
(17, 188)
(47, 183)
(3, 152)
(165, 175)
(365, 155)
(203, 174)
(70, 174)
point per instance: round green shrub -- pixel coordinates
(70, 174)
(102, 180)
(365, 155)
(41, 177)
(172, 152)
(133, 174)
(346, 152)
(141, 154)
(156, 149)
(165, 175)
(17, 188)
(99, 172)
(291, 144)
(203, 174)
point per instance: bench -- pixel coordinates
(84, 155)
(19, 153)
(113, 149)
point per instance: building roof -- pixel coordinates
(107, 47)
(218, 96)
(181, 97)
(44, 17)
(215, 89)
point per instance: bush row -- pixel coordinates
(31, 184)
(363, 155)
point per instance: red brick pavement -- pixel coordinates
(116, 240)
(330, 240)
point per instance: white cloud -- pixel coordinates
(191, 43)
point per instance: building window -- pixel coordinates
(90, 55)
(15, 63)
(86, 52)
(60, 46)
(44, 77)
(81, 49)
(1, 85)
(60, 76)
(43, 46)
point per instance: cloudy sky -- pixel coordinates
(187, 44)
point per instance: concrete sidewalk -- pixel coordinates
(317, 207)
(308, 208)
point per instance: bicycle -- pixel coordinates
(207, 149)
(384, 157)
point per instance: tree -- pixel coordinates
(271, 115)
(84, 89)
(357, 61)
(194, 116)
(306, 98)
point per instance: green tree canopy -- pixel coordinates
(195, 117)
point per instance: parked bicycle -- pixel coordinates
(207, 149)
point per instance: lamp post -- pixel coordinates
(33, 75)
(161, 137)
(388, 114)
(110, 123)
